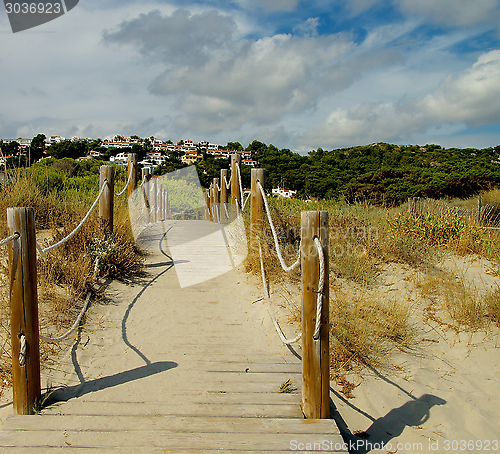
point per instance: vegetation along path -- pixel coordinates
(197, 368)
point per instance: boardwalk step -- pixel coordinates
(172, 433)
(187, 408)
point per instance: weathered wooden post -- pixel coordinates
(257, 203)
(24, 311)
(478, 220)
(154, 200)
(235, 184)
(216, 206)
(145, 191)
(224, 194)
(106, 202)
(211, 202)
(315, 352)
(206, 210)
(160, 202)
(165, 206)
(132, 166)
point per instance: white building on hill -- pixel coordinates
(280, 192)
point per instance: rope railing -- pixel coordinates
(246, 201)
(275, 236)
(268, 296)
(239, 180)
(75, 325)
(23, 300)
(321, 287)
(13, 237)
(128, 182)
(78, 227)
(66, 334)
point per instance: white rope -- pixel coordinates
(238, 211)
(275, 236)
(128, 182)
(227, 183)
(13, 237)
(321, 287)
(79, 318)
(75, 325)
(239, 179)
(246, 201)
(22, 350)
(79, 226)
(275, 322)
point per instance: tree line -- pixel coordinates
(379, 173)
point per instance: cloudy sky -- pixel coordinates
(297, 74)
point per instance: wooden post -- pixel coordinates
(145, 191)
(154, 200)
(216, 206)
(167, 201)
(132, 166)
(159, 202)
(315, 353)
(257, 201)
(211, 202)
(106, 202)
(224, 194)
(24, 310)
(206, 203)
(478, 220)
(235, 184)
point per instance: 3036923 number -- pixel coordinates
(33, 8)
(471, 445)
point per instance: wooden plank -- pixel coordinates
(172, 424)
(199, 397)
(77, 407)
(167, 439)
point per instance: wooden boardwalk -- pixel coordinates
(174, 369)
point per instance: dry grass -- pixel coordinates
(65, 274)
(366, 329)
(452, 303)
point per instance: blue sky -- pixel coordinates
(298, 74)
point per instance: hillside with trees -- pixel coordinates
(381, 173)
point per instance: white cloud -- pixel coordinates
(454, 12)
(270, 5)
(255, 82)
(223, 83)
(471, 97)
(309, 27)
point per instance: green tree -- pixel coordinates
(37, 147)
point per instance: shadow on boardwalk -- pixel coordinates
(66, 393)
